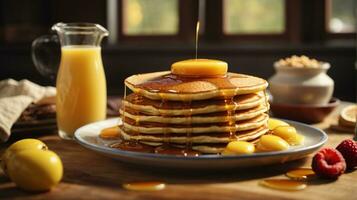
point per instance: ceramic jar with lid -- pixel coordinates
(305, 85)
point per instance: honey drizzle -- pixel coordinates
(229, 102)
(188, 127)
(137, 99)
(165, 129)
(197, 33)
(165, 83)
(123, 115)
(166, 147)
(166, 140)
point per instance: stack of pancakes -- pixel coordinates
(202, 114)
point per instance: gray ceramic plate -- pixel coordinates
(87, 136)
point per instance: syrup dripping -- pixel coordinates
(301, 174)
(145, 186)
(137, 100)
(231, 118)
(197, 33)
(283, 184)
(165, 83)
(165, 129)
(123, 115)
(188, 126)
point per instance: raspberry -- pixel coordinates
(348, 149)
(328, 163)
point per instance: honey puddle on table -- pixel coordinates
(283, 184)
(145, 186)
(298, 180)
(301, 174)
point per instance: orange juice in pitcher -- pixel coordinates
(81, 88)
(81, 85)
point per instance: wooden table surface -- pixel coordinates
(88, 175)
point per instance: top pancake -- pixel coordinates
(164, 85)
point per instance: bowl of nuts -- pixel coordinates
(301, 80)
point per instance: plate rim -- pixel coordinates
(118, 152)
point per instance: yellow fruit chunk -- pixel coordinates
(271, 143)
(273, 123)
(199, 67)
(239, 148)
(21, 145)
(289, 134)
(110, 133)
(35, 170)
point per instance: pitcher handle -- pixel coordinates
(46, 53)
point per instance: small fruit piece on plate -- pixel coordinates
(328, 163)
(239, 148)
(35, 170)
(271, 143)
(348, 116)
(289, 134)
(110, 133)
(21, 145)
(274, 123)
(199, 67)
(348, 149)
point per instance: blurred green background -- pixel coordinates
(144, 17)
(147, 17)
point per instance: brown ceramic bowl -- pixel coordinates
(304, 113)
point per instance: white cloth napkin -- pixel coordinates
(15, 97)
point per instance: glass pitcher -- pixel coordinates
(81, 85)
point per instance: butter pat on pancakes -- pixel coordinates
(199, 67)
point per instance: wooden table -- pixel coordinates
(88, 175)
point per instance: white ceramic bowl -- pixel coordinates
(301, 85)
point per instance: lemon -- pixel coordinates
(35, 169)
(18, 146)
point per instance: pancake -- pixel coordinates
(238, 115)
(164, 85)
(160, 128)
(223, 137)
(175, 108)
(186, 114)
